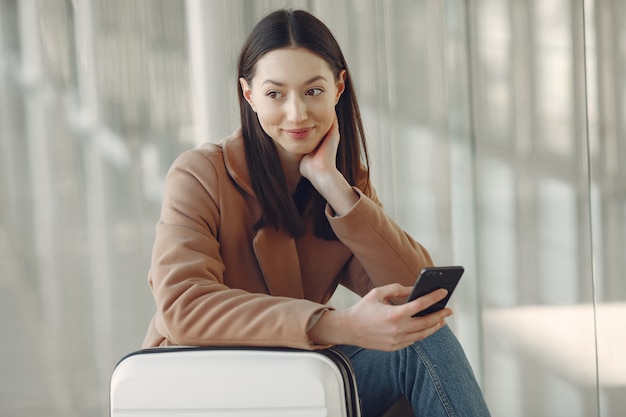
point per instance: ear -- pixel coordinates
(341, 85)
(246, 91)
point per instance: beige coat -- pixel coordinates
(218, 282)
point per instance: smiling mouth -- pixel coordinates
(299, 133)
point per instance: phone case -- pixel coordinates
(242, 382)
(433, 278)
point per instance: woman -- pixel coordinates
(257, 232)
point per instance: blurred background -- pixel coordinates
(496, 129)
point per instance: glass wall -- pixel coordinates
(496, 130)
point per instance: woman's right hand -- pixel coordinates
(373, 323)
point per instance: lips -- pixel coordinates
(300, 133)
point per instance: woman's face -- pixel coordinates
(294, 93)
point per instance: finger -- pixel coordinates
(428, 331)
(430, 322)
(390, 291)
(420, 332)
(437, 316)
(425, 301)
(332, 135)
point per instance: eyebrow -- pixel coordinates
(280, 84)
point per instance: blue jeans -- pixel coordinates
(433, 374)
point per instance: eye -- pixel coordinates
(314, 91)
(274, 95)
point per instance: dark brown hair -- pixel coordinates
(282, 29)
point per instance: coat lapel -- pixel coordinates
(278, 257)
(275, 251)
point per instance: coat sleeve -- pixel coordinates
(194, 306)
(383, 252)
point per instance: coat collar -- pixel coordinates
(275, 250)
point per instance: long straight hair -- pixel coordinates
(283, 29)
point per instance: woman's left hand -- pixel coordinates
(322, 161)
(320, 167)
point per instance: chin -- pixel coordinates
(303, 147)
(301, 150)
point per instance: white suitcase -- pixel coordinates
(233, 382)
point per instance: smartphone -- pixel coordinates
(432, 279)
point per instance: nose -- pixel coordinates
(296, 109)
